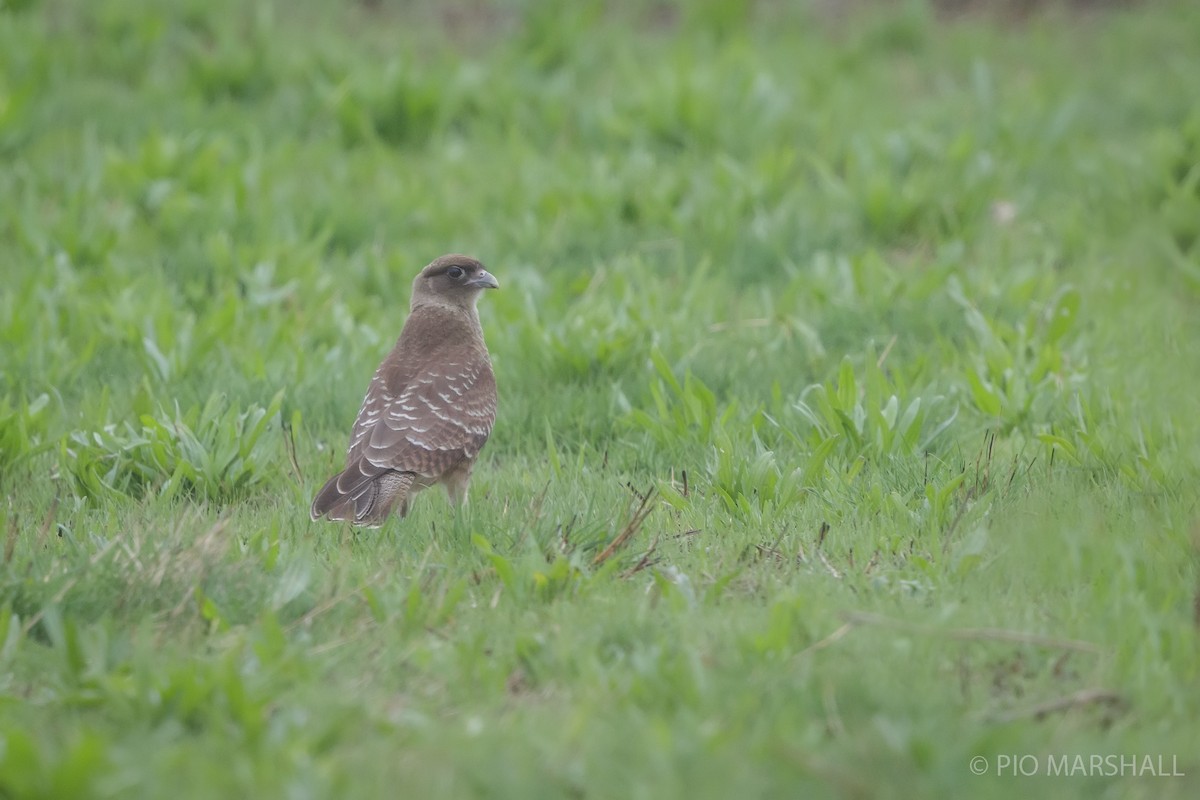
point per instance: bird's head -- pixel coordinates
(452, 280)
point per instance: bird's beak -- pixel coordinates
(485, 280)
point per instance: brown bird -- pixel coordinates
(429, 408)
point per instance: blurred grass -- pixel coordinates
(893, 310)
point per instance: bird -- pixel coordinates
(429, 408)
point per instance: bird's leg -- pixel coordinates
(456, 483)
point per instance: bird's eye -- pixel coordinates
(455, 272)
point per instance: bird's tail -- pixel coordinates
(362, 499)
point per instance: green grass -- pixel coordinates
(848, 368)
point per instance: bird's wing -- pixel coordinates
(377, 400)
(442, 417)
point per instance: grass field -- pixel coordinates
(849, 438)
